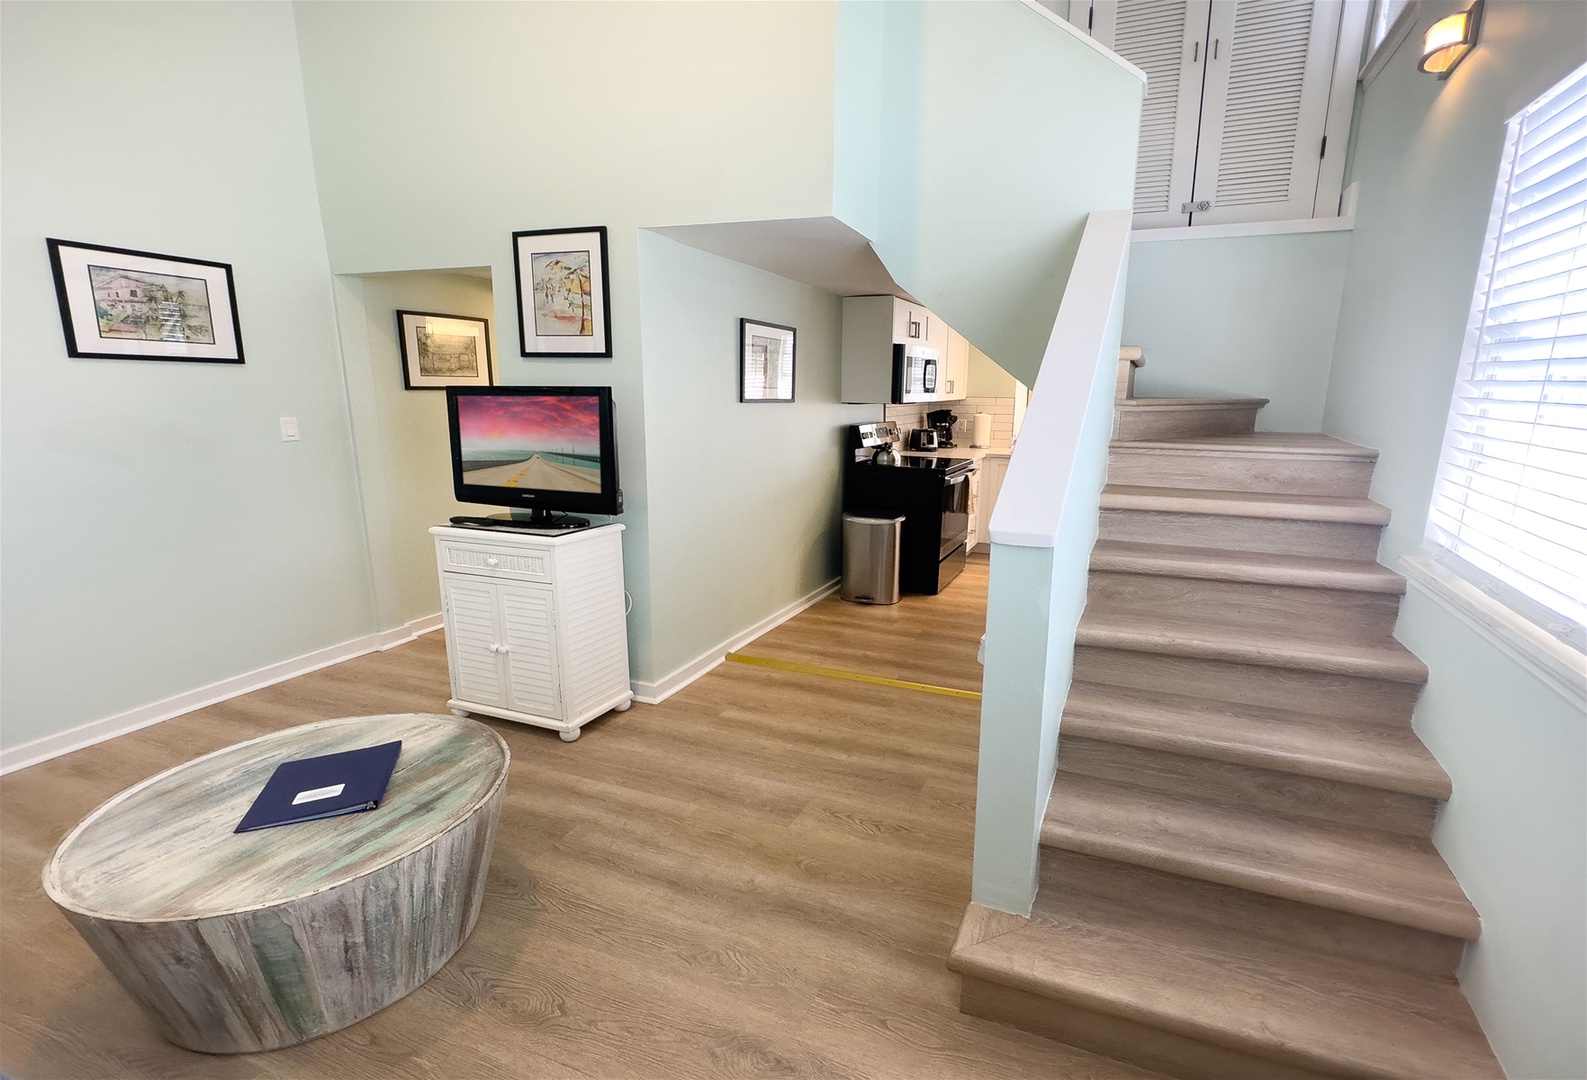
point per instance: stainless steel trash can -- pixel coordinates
(870, 559)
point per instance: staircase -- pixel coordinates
(1237, 876)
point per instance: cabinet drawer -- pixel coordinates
(516, 564)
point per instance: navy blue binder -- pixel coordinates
(322, 787)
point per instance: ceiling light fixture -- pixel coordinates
(1449, 40)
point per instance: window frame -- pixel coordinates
(1548, 643)
(1379, 52)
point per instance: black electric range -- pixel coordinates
(932, 494)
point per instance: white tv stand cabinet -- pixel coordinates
(535, 627)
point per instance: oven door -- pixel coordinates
(955, 512)
(914, 374)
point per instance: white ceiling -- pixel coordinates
(822, 252)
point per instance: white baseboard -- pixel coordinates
(654, 693)
(97, 731)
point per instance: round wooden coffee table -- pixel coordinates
(234, 942)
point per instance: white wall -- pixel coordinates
(979, 136)
(744, 497)
(404, 456)
(158, 534)
(440, 128)
(1239, 316)
(1515, 832)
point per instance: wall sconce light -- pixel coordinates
(1449, 40)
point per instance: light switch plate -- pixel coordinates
(289, 429)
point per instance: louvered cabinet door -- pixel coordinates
(473, 641)
(1167, 40)
(530, 640)
(1264, 109)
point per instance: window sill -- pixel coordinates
(1561, 667)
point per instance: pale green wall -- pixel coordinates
(404, 457)
(978, 125)
(439, 128)
(1250, 316)
(744, 498)
(158, 534)
(987, 379)
(1515, 833)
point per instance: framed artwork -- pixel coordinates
(765, 361)
(119, 304)
(443, 350)
(563, 305)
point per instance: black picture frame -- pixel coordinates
(415, 330)
(767, 359)
(561, 281)
(124, 304)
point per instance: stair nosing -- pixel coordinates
(1087, 717)
(1265, 505)
(988, 961)
(1236, 872)
(1266, 651)
(1192, 403)
(1211, 445)
(1253, 567)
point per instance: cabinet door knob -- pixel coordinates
(491, 560)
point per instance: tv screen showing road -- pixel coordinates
(552, 443)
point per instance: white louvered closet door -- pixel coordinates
(1264, 110)
(1165, 39)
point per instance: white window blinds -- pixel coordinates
(1509, 510)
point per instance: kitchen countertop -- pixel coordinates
(974, 453)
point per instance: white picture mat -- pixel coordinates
(75, 261)
(530, 246)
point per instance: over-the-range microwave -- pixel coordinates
(914, 374)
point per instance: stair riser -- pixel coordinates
(1336, 615)
(1230, 784)
(1142, 1044)
(1149, 894)
(1275, 536)
(1376, 701)
(1297, 474)
(1166, 422)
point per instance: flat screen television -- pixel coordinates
(543, 451)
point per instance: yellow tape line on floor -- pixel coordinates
(852, 676)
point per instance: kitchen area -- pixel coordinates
(919, 485)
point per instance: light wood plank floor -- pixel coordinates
(760, 877)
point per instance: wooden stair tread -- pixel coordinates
(1267, 738)
(1208, 640)
(1252, 504)
(1332, 1015)
(1223, 564)
(1191, 403)
(1366, 873)
(1299, 443)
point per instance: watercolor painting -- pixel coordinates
(562, 294)
(150, 307)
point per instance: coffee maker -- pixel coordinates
(941, 421)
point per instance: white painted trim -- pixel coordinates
(654, 693)
(1030, 505)
(1075, 32)
(98, 731)
(1243, 228)
(1379, 59)
(1354, 24)
(410, 631)
(1556, 664)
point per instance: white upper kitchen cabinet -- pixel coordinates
(1248, 102)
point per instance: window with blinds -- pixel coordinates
(1509, 509)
